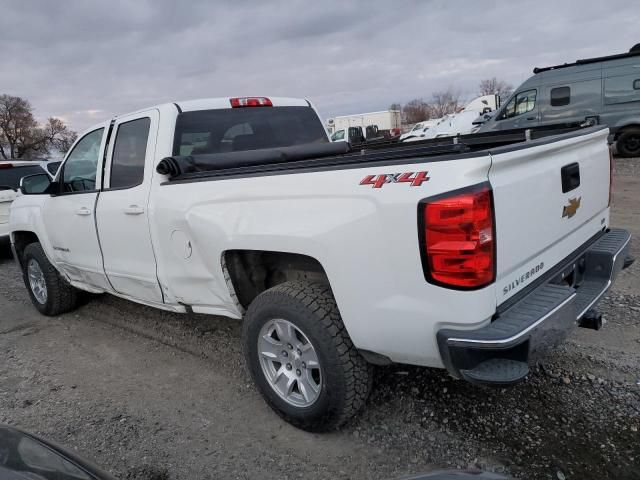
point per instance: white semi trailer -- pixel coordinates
(387, 123)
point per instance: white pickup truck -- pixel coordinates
(475, 256)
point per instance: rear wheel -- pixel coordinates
(48, 291)
(301, 357)
(628, 142)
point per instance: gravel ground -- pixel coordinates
(152, 395)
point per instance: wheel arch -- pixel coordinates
(19, 241)
(625, 126)
(250, 272)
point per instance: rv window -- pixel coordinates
(621, 89)
(560, 96)
(522, 102)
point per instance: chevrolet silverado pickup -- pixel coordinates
(475, 253)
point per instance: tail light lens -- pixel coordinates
(250, 102)
(6, 165)
(459, 239)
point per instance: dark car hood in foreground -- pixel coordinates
(24, 456)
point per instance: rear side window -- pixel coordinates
(129, 152)
(10, 176)
(560, 96)
(250, 128)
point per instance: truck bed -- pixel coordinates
(341, 155)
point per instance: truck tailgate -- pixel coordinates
(537, 223)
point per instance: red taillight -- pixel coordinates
(250, 102)
(459, 243)
(6, 165)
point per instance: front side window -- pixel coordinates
(560, 96)
(339, 135)
(79, 174)
(129, 152)
(52, 167)
(522, 102)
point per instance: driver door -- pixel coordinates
(69, 216)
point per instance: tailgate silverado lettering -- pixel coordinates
(524, 278)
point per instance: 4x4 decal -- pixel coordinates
(414, 179)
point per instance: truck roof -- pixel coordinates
(634, 52)
(216, 103)
(213, 103)
(224, 102)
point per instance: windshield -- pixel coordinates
(239, 129)
(10, 177)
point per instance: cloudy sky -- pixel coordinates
(84, 60)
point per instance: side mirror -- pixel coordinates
(35, 184)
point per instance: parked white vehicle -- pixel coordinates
(449, 126)
(419, 129)
(11, 171)
(460, 123)
(483, 104)
(336, 259)
(386, 121)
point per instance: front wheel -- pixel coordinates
(49, 292)
(301, 357)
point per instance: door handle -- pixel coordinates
(83, 211)
(531, 118)
(133, 210)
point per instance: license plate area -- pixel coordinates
(572, 274)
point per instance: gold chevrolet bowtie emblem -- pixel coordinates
(571, 209)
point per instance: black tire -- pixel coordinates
(628, 142)
(346, 376)
(61, 297)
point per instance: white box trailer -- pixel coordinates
(386, 121)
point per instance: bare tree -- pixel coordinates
(22, 137)
(416, 111)
(395, 106)
(58, 135)
(492, 86)
(445, 102)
